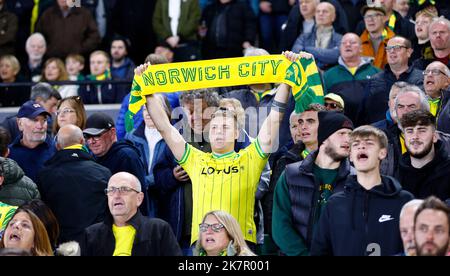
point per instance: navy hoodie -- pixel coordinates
(360, 222)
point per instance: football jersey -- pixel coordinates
(225, 182)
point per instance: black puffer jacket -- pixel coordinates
(360, 222)
(17, 188)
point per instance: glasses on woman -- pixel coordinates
(216, 227)
(65, 111)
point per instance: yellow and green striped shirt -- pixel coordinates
(6, 213)
(227, 182)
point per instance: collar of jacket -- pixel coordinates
(134, 221)
(307, 166)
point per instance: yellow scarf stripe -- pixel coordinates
(301, 75)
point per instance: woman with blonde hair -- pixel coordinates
(9, 73)
(26, 231)
(55, 70)
(70, 111)
(221, 235)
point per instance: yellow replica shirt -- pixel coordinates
(6, 213)
(124, 240)
(227, 182)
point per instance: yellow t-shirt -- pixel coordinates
(227, 182)
(6, 213)
(124, 240)
(353, 69)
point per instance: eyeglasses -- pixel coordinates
(434, 72)
(372, 16)
(122, 190)
(216, 227)
(332, 105)
(65, 111)
(395, 48)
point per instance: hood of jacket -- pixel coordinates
(69, 155)
(389, 187)
(365, 61)
(11, 171)
(117, 146)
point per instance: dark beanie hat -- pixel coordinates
(329, 123)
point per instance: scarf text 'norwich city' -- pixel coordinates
(301, 75)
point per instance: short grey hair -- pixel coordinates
(45, 91)
(413, 204)
(35, 35)
(209, 95)
(424, 104)
(397, 85)
(440, 19)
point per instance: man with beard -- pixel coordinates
(33, 147)
(355, 221)
(304, 187)
(425, 171)
(122, 67)
(431, 228)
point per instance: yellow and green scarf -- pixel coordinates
(302, 75)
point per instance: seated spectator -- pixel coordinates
(8, 30)
(125, 231)
(68, 30)
(43, 94)
(36, 47)
(375, 35)
(26, 231)
(100, 93)
(54, 70)
(334, 102)
(439, 33)
(422, 45)
(220, 235)
(70, 111)
(322, 41)
(9, 73)
(349, 78)
(75, 66)
(122, 67)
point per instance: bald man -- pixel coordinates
(72, 184)
(127, 232)
(349, 77)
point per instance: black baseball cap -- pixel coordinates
(98, 123)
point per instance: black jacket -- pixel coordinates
(431, 179)
(376, 102)
(443, 113)
(291, 156)
(153, 238)
(72, 184)
(123, 156)
(359, 222)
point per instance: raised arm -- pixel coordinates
(271, 126)
(168, 132)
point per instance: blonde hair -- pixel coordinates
(238, 109)
(233, 230)
(13, 61)
(61, 67)
(102, 53)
